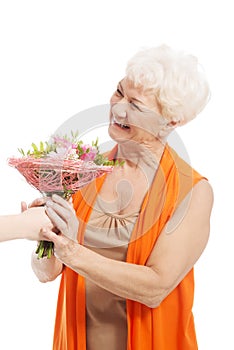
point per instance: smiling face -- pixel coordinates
(134, 114)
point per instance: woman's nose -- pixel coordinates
(119, 109)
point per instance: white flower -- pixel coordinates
(61, 153)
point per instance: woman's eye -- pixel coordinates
(119, 93)
(135, 106)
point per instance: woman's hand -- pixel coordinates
(63, 217)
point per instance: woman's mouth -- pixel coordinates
(121, 125)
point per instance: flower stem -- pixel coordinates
(45, 249)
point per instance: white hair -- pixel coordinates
(176, 78)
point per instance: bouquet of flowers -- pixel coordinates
(62, 166)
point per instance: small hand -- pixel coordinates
(33, 220)
(38, 202)
(23, 206)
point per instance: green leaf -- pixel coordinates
(35, 148)
(41, 146)
(21, 151)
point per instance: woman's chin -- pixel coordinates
(118, 134)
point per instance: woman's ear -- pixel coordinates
(173, 123)
(168, 127)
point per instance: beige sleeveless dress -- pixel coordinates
(107, 234)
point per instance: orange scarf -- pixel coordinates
(170, 326)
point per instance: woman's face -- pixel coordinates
(134, 114)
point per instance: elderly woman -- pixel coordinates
(127, 262)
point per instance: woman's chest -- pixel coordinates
(123, 193)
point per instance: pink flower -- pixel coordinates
(85, 148)
(89, 153)
(62, 142)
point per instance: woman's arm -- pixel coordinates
(45, 269)
(172, 258)
(24, 225)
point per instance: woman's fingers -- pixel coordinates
(62, 212)
(62, 202)
(56, 219)
(63, 246)
(48, 235)
(62, 208)
(63, 218)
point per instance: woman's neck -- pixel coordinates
(140, 159)
(144, 154)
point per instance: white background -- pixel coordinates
(60, 57)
